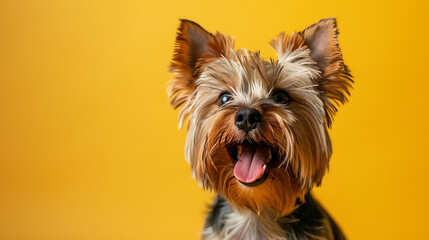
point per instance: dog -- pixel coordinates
(257, 129)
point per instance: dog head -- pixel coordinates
(257, 129)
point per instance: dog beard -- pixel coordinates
(277, 161)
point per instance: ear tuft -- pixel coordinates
(195, 47)
(285, 44)
(322, 40)
(192, 42)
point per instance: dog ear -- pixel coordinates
(192, 43)
(322, 40)
(195, 47)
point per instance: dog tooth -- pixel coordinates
(239, 149)
(269, 156)
(263, 171)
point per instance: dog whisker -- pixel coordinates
(258, 130)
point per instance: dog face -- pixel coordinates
(257, 130)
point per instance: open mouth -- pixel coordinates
(252, 162)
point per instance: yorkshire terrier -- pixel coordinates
(257, 130)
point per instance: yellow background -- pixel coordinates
(89, 148)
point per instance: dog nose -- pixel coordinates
(247, 119)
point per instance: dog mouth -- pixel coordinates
(252, 162)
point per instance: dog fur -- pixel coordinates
(287, 105)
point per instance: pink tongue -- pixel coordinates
(250, 165)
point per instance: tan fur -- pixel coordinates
(336, 78)
(297, 130)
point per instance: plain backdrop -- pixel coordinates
(89, 147)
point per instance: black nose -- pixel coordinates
(247, 119)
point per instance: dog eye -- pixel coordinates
(224, 97)
(281, 97)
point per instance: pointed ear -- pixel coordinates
(192, 42)
(322, 40)
(194, 48)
